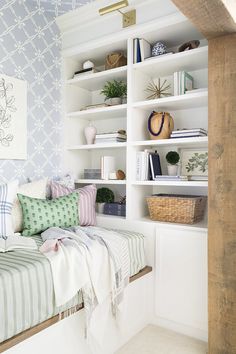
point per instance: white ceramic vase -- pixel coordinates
(100, 207)
(172, 170)
(90, 134)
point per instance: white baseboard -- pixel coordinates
(180, 328)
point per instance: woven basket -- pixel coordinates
(183, 209)
(115, 60)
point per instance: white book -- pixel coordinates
(110, 135)
(193, 130)
(138, 166)
(145, 49)
(17, 242)
(135, 50)
(107, 166)
(176, 83)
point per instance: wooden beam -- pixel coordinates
(222, 195)
(210, 17)
(9, 343)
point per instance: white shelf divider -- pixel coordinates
(97, 146)
(96, 81)
(172, 183)
(109, 112)
(100, 181)
(189, 100)
(164, 65)
(180, 142)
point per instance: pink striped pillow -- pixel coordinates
(87, 200)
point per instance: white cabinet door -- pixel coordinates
(181, 277)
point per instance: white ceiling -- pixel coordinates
(59, 7)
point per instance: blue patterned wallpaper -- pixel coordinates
(30, 50)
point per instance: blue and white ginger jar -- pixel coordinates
(158, 49)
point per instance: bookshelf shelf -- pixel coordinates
(190, 100)
(195, 59)
(99, 181)
(179, 142)
(96, 81)
(100, 113)
(172, 183)
(97, 146)
(200, 226)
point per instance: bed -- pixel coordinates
(26, 286)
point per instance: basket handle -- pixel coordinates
(116, 61)
(150, 125)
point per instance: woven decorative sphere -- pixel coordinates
(158, 49)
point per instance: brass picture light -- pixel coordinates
(129, 18)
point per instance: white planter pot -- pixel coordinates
(172, 170)
(100, 207)
(115, 101)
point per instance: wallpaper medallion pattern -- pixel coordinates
(30, 50)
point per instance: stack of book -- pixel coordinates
(115, 137)
(142, 50)
(148, 165)
(84, 72)
(189, 133)
(183, 82)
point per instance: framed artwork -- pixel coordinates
(13, 118)
(194, 162)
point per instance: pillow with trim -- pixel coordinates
(7, 195)
(87, 201)
(40, 214)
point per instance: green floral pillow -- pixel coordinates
(40, 214)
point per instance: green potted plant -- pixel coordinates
(104, 195)
(114, 91)
(172, 158)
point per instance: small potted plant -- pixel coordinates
(172, 157)
(114, 91)
(104, 195)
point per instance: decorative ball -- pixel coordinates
(158, 49)
(88, 64)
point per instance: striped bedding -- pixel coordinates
(26, 286)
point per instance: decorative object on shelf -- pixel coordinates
(113, 137)
(194, 163)
(117, 209)
(114, 91)
(159, 48)
(88, 65)
(189, 45)
(160, 125)
(188, 133)
(120, 175)
(104, 195)
(128, 18)
(112, 176)
(83, 72)
(172, 157)
(115, 60)
(158, 90)
(183, 209)
(92, 173)
(90, 134)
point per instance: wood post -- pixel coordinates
(222, 195)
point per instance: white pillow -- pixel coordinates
(36, 189)
(7, 196)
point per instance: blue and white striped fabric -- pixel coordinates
(7, 196)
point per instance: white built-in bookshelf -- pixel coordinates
(188, 111)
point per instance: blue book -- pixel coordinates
(139, 59)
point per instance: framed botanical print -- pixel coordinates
(194, 163)
(13, 116)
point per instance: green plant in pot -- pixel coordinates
(172, 158)
(104, 195)
(114, 91)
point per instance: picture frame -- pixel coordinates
(194, 163)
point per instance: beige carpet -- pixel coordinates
(156, 340)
